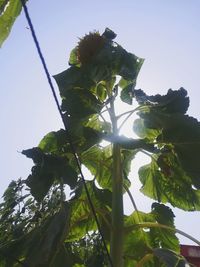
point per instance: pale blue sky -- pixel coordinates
(164, 32)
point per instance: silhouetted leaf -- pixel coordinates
(80, 103)
(173, 102)
(109, 34)
(74, 77)
(48, 169)
(130, 65)
(48, 239)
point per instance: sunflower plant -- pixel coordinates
(46, 220)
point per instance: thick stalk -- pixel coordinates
(117, 232)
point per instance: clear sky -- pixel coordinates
(164, 32)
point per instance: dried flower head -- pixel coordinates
(89, 46)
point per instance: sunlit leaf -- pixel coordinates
(173, 186)
(144, 132)
(54, 142)
(82, 219)
(140, 242)
(101, 91)
(9, 11)
(73, 59)
(99, 162)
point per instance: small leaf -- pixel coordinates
(126, 94)
(73, 59)
(109, 34)
(144, 132)
(101, 92)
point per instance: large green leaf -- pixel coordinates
(183, 133)
(142, 241)
(82, 219)
(99, 162)
(47, 240)
(54, 142)
(82, 133)
(170, 184)
(9, 11)
(74, 77)
(80, 103)
(173, 102)
(47, 170)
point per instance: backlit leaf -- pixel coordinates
(82, 219)
(9, 11)
(173, 186)
(142, 241)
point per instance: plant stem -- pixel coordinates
(146, 258)
(117, 232)
(117, 210)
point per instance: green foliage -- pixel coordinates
(41, 225)
(48, 170)
(142, 241)
(9, 11)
